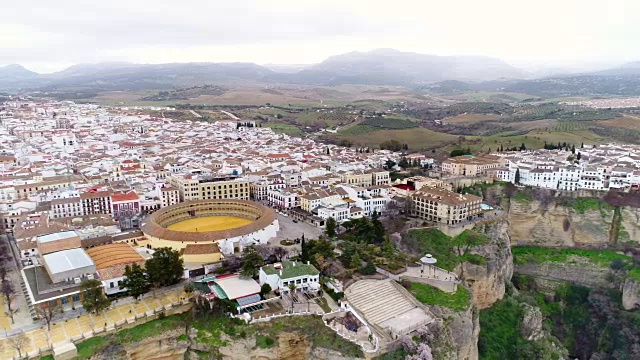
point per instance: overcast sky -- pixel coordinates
(46, 35)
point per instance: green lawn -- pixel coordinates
(285, 129)
(150, 329)
(459, 301)
(436, 243)
(538, 255)
(90, 347)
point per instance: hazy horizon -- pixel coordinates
(571, 35)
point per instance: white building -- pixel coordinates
(281, 276)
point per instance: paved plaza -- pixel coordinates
(74, 327)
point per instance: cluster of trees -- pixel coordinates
(460, 152)
(7, 287)
(561, 146)
(319, 253)
(365, 230)
(246, 124)
(393, 145)
(522, 147)
(405, 164)
(253, 258)
(165, 268)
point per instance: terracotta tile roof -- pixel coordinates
(128, 196)
(113, 254)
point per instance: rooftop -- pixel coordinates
(113, 254)
(56, 236)
(66, 260)
(236, 286)
(290, 269)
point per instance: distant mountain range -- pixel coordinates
(377, 67)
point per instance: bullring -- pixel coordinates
(160, 227)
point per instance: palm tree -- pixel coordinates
(292, 288)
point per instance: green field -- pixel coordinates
(285, 129)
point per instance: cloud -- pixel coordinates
(44, 32)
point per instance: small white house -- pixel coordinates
(281, 275)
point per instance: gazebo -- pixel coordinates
(428, 260)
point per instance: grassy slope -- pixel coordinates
(459, 301)
(537, 255)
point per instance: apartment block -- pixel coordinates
(443, 206)
(199, 187)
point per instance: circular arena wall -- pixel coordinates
(263, 225)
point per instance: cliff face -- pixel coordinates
(631, 294)
(162, 347)
(487, 281)
(577, 272)
(531, 223)
(457, 337)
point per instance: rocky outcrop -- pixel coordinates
(488, 281)
(629, 225)
(288, 346)
(631, 294)
(578, 271)
(532, 223)
(162, 347)
(457, 337)
(531, 325)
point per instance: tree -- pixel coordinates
(189, 288)
(8, 291)
(369, 269)
(94, 299)
(356, 261)
(230, 264)
(251, 262)
(516, 178)
(280, 252)
(135, 281)
(265, 251)
(579, 156)
(389, 164)
(330, 227)
(18, 342)
(265, 289)
(304, 250)
(573, 149)
(47, 312)
(164, 268)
